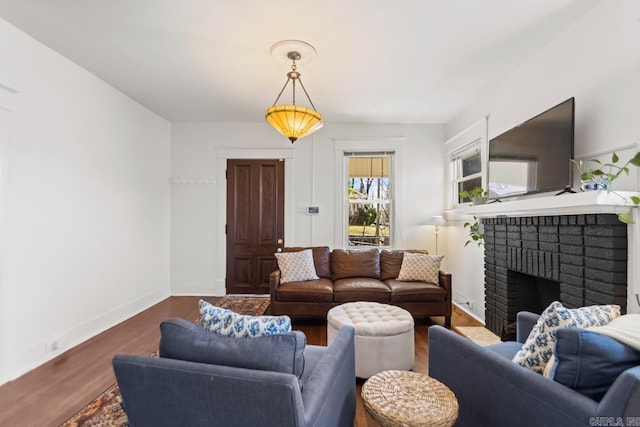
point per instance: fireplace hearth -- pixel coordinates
(576, 259)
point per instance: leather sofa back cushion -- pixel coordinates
(355, 263)
(321, 259)
(184, 340)
(391, 262)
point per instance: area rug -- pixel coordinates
(479, 335)
(106, 409)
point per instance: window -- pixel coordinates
(369, 198)
(466, 169)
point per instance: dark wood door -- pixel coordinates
(255, 223)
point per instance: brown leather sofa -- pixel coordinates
(358, 275)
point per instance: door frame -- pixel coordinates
(223, 154)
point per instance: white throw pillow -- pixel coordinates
(539, 346)
(296, 266)
(420, 267)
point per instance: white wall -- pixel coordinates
(84, 215)
(198, 153)
(597, 61)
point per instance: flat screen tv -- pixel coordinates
(533, 157)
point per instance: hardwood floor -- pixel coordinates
(53, 392)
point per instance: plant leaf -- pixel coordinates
(636, 159)
(468, 241)
(635, 199)
(626, 218)
(614, 157)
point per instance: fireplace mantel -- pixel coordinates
(589, 202)
(571, 204)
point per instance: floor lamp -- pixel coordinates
(437, 221)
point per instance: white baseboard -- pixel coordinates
(470, 313)
(26, 359)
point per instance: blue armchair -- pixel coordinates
(161, 391)
(494, 391)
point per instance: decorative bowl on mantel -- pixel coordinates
(479, 200)
(596, 183)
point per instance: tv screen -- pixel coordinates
(533, 157)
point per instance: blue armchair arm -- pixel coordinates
(329, 395)
(526, 321)
(494, 391)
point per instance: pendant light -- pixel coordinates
(291, 120)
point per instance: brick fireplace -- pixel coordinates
(529, 261)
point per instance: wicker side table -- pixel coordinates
(402, 398)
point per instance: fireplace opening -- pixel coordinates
(533, 293)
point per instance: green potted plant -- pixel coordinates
(607, 172)
(601, 176)
(475, 232)
(477, 195)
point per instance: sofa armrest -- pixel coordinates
(274, 282)
(494, 391)
(444, 280)
(525, 322)
(329, 394)
(623, 397)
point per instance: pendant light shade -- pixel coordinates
(291, 120)
(294, 121)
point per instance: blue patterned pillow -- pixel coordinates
(227, 322)
(538, 348)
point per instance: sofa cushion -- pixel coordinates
(391, 261)
(415, 291)
(538, 347)
(227, 322)
(321, 258)
(296, 266)
(505, 349)
(184, 340)
(360, 289)
(589, 362)
(320, 290)
(355, 263)
(420, 267)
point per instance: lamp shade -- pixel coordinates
(294, 121)
(437, 220)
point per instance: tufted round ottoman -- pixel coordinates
(383, 339)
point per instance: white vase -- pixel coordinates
(478, 200)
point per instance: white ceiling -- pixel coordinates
(402, 61)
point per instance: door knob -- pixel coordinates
(280, 241)
(279, 249)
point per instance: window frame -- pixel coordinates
(464, 144)
(390, 154)
(395, 144)
(456, 159)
